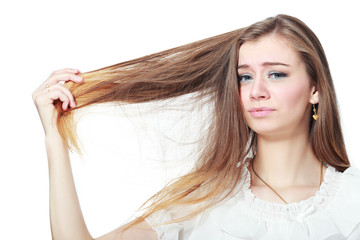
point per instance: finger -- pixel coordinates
(64, 90)
(58, 94)
(66, 70)
(56, 73)
(65, 105)
(68, 93)
(56, 78)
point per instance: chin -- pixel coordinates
(268, 130)
(267, 133)
(264, 127)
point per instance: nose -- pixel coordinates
(259, 90)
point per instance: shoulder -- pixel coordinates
(345, 209)
(348, 191)
(204, 225)
(348, 195)
(169, 223)
(350, 183)
(352, 172)
(343, 188)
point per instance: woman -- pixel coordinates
(274, 165)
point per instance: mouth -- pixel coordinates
(261, 112)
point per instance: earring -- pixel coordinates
(315, 116)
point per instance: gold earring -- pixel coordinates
(315, 116)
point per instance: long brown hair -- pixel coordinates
(209, 68)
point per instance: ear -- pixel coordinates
(314, 95)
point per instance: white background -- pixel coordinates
(123, 163)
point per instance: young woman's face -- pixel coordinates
(275, 90)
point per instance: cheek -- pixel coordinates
(295, 96)
(244, 98)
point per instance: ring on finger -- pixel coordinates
(47, 87)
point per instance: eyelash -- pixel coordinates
(278, 74)
(240, 80)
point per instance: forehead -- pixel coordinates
(270, 48)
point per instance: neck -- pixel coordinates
(287, 162)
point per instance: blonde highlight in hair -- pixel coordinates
(209, 68)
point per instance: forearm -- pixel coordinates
(67, 221)
(66, 218)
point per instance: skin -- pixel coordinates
(284, 159)
(66, 218)
(273, 75)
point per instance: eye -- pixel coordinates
(277, 75)
(244, 78)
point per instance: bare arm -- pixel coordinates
(67, 221)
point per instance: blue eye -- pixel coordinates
(276, 75)
(244, 78)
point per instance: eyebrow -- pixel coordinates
(265, 64)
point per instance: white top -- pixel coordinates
(333, 213)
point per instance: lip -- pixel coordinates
(261, 112)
